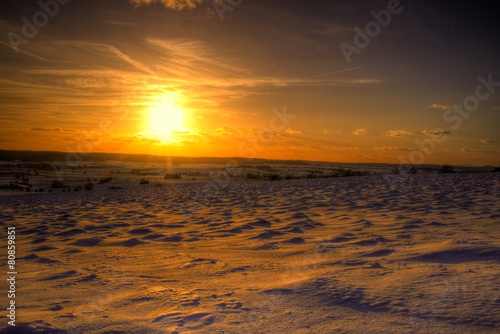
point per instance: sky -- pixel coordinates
(342, 81)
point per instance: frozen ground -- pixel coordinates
(341, 255)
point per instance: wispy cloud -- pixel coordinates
(45, 129)
(25, 52)
(384, 148)
(439, 106)
(466, 150)
(364, 82)
(293, 132)
(400, 133)
(338, 148)
(487, 141)
(435, 132)
(335, 72)
(360, 132)
(173, 4)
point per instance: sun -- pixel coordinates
(166, 118)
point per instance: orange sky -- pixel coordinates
(98, 77)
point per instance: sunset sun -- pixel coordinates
(230, 166)
(166, 118)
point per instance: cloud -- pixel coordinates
(172, 4)
(336, 148)
(364, 82)
(435, 132)
(487, 141)
(24, 52)
(227, 131)
(466, 150)
(181, 132)
(360, 132)
(293, 132)
(306, 148)
(45, 129)
(400, 133)
(439, 106)
(384, 148)
(226, 77)
(326, 132)
(86, 82)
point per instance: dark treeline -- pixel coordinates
(38, 160)
(311, 175)
(43, 156)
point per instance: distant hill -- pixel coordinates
(50, 156)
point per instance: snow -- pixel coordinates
(339, 255)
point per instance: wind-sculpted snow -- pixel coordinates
(352, 255)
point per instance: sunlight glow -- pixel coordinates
(166, 118)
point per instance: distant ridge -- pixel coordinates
(51, 156)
